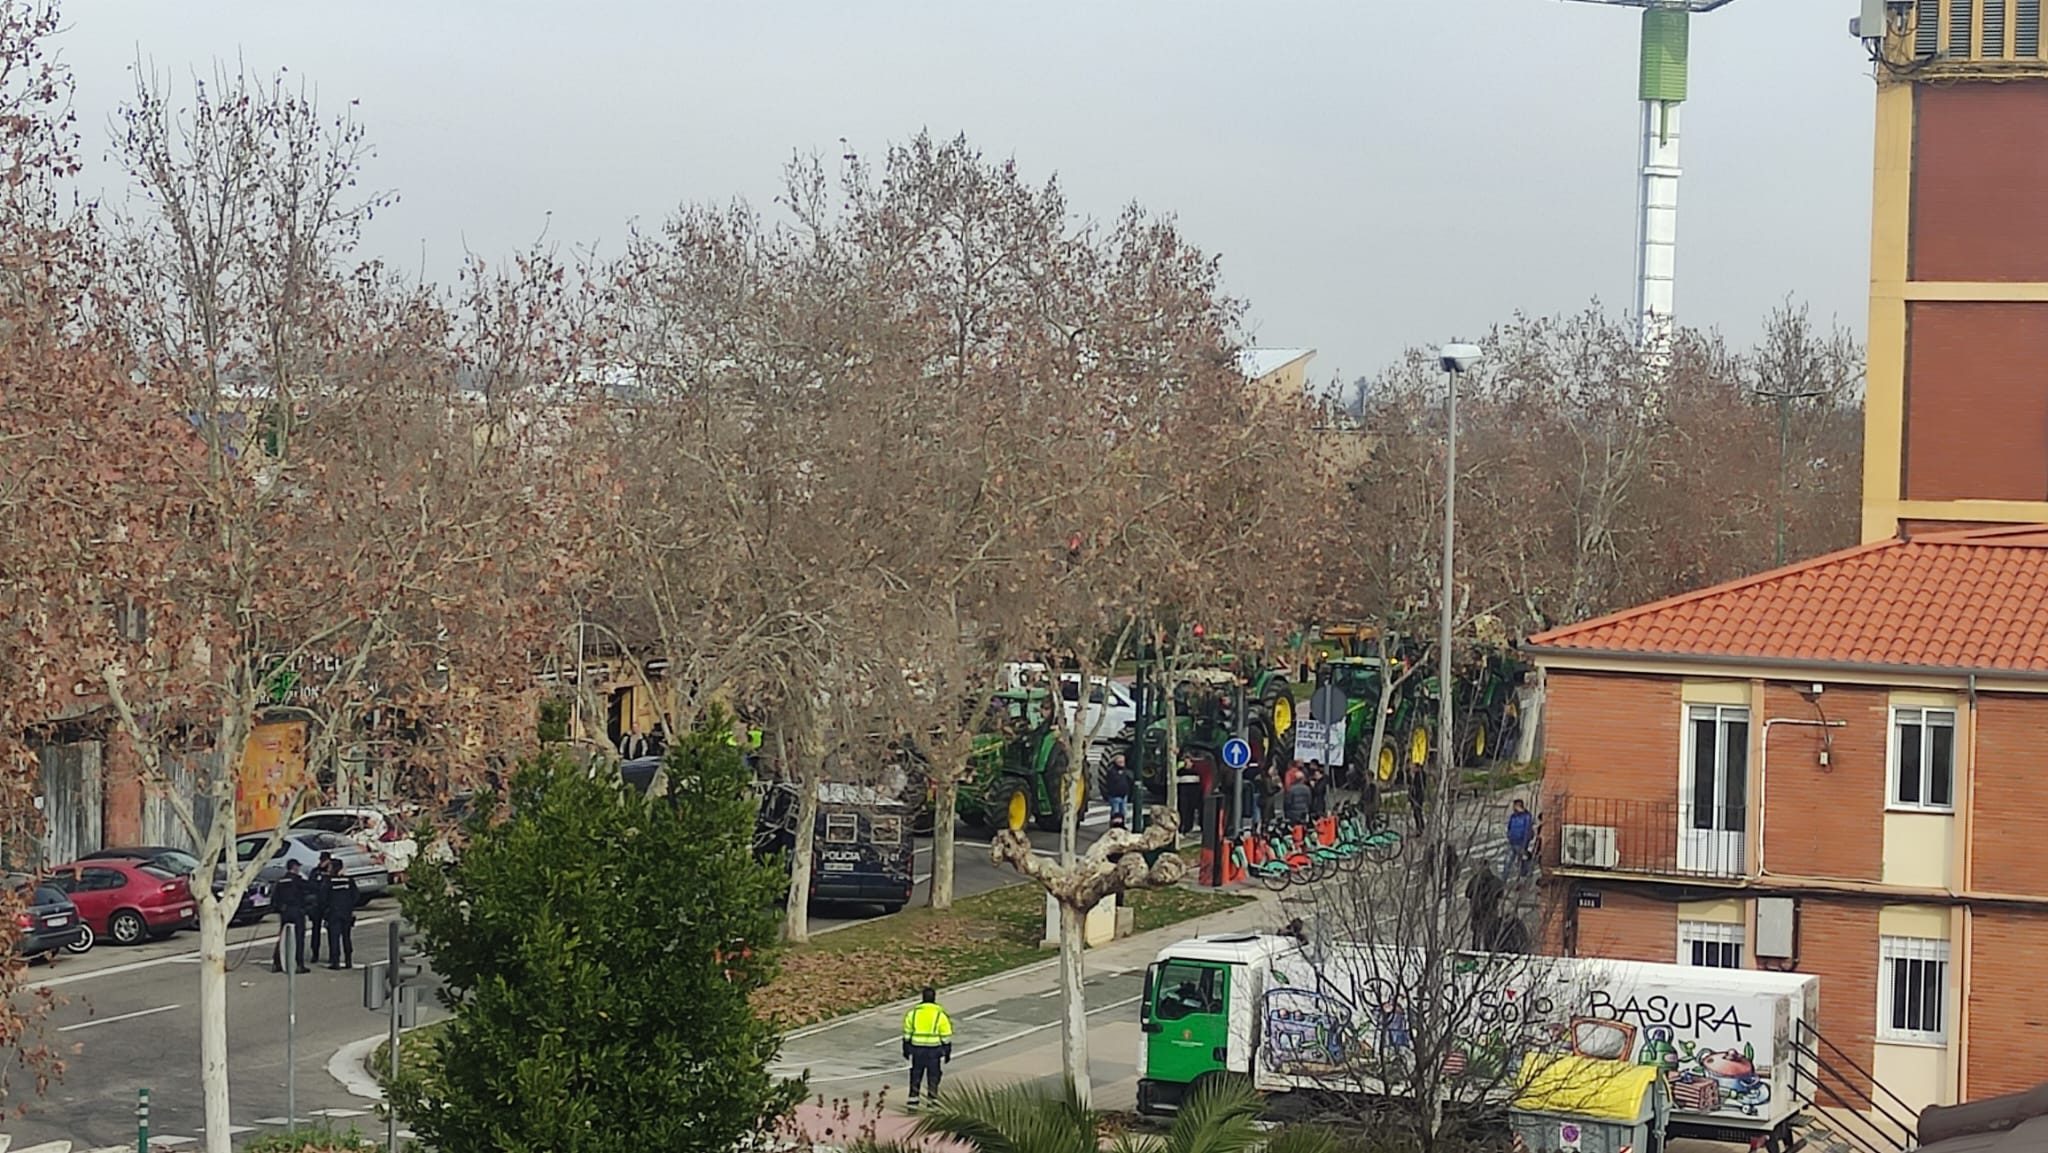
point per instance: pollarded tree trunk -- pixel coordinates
(796, 927)
(1074, 1007)
(1115, 863)
(213, 1015)
(945, 811)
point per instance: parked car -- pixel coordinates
(1109, 711)
(366, 866)
(255, 902)
(379, 829)
(48, 920)
(126, 902)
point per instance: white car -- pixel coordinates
(1109, 711)
(377, 830)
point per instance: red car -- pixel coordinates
(126, 901)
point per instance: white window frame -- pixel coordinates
(1911, 951)
(1711, 936)
(842, 828)
(1942, 717)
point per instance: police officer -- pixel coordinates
(289, 897)
(341, 917)
(316, 906)
(927, 1041)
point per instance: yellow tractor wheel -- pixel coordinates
(1283, 716)
(1385, 767)
(1020, 809)
(1418, 746)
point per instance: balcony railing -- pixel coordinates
(1653, 838)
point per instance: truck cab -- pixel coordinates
(1197, 1014)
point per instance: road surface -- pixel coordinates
(132, 1015)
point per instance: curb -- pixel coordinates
(350, 1065)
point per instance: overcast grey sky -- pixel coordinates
(1375, 173)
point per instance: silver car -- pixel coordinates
(365, 866)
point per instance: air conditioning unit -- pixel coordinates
(1589, 847)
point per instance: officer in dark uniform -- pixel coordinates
(316, 907)
(341, 917)
(289, 898)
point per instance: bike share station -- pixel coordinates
(1280, 855)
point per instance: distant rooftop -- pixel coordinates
(1258, 362)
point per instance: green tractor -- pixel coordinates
(1488, 706)
(1017, 764)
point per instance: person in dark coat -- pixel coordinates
(288, 897)
(1116, 785)
(1296, 801)
(1318, 791)
(1483, 893)
(341, 917)
(316, 908)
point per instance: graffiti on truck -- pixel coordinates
(1307, 1034)
(1715, 1051)
(1705, 1048)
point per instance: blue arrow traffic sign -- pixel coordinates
(1236, 753)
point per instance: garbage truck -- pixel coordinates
(1293, 1017)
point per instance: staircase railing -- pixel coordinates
(1827, 1066)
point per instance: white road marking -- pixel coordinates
(120, 1017)
(187, 958)
(335, 1113)
(155, 1141)
(273, 1121)
(980, 1015)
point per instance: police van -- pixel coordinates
(862, 851)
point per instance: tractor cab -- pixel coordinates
(1017, 763)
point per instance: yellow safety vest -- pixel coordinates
(927, 1025)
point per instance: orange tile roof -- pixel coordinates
(1976, 600)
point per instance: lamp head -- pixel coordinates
(1458, 357)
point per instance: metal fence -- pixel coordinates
(1656, 838)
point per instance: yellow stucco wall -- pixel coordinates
(1891, 204)
(1918, 848)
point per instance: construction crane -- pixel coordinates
(1666, 28)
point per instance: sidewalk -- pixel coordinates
(1006, 1027)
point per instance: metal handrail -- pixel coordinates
(1866, 1074)
(1884, 1142)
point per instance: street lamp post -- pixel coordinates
(1455, 358)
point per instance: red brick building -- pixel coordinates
(1839, 767)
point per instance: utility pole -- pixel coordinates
(1455, 358)
(288, 951)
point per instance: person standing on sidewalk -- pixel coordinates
(289, 896)
(341, 917)
(316, 907)
(1116, 784)
(927, 1042)
(1521, 841)
(1297, 802)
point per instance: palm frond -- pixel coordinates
(1220, 1118)
(1305, 1139)
(1012, 1119)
